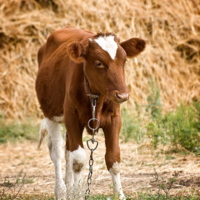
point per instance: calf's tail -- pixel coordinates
(42, 133)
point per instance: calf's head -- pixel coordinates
(104, 59)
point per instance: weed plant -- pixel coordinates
(131, 127)
(179, 128)
(11, 190)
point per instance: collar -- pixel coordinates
(91, 94)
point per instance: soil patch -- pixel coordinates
(138, 170)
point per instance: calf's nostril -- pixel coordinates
(118, 96)
(122, 96)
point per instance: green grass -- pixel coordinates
(16, 131)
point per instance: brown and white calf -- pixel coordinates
(67, 61)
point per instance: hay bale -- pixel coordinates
(171, 29)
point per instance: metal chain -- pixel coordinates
(92, 149)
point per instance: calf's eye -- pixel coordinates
(98, 64)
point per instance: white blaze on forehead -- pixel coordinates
(107, 43)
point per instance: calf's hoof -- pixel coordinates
(120, 197)
(60, 192)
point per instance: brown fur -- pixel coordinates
(62, 90)
(102, 35)
(77, 166)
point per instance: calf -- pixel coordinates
(72, 64)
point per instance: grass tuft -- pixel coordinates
(17, 131)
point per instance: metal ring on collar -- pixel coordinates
(94, 119)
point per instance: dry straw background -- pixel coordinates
(171, 29)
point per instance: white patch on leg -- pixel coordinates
(43, 132)
(78, 163)
(108, 44)
(117, 188)
(58, 119)
(55, 142)
(75, 164)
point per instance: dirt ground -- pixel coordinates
(137, 170)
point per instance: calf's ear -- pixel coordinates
(76, 52)
(133, 46)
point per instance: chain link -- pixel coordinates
(92, 149)
(89, 180)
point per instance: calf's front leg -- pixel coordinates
(69, 178)
(112, 156)
(76, 156)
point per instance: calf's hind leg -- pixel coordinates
(55, 142)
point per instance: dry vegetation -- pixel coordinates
(171, 29)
